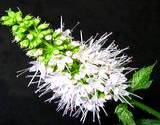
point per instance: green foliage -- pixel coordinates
(148, 122)
(124, 115)
(141, 78)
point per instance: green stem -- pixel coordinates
(146, 108)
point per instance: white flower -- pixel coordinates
(68, 53)
(100, 75)
(60, 61)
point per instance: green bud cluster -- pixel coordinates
(40, 41)
(33, 36)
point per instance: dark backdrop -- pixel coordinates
(135, 23)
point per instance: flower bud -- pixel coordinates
(48, 37)
(30, 36)
(28, 17)
(37, 21)
(46, 32)
(22, 24)
(24, 44)
(19, 16)
(14, 28)
(43, 26)
(4, 18)
(60, 47)
(75, 43)
(11, 13)
(56, 51)
(40, 35)
(68, 53)
(21, 30)
(9, 22)
(34, 52)
(56, 34)
(68, 60)
(58, 42)
(35, 43)
(19, 37)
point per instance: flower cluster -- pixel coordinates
(81, 74)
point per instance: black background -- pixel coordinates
(135, 23)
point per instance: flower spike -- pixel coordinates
(82, 75)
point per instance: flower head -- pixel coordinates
(85, 80)
(82, 75)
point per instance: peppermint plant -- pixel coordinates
(82, 75)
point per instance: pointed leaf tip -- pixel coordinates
(141, 78)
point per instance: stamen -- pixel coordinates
(75, 26)
(32, 78)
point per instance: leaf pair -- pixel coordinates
(140, 80)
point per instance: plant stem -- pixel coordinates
(146, 108)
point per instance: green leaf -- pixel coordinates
(148, 122)
(141, 78)
(125, 116)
